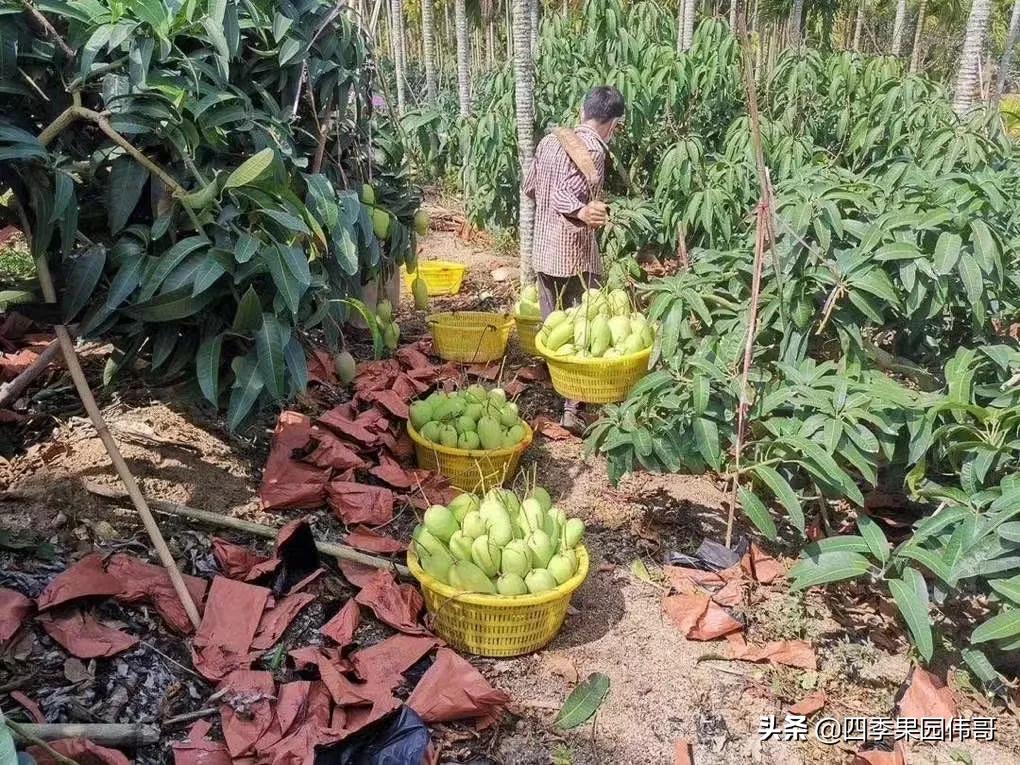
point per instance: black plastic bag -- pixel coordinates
(399, 740)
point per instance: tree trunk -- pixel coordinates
(859, 26)
(463, 58)
(490, 44)
(970, 57)
(690, 11)
(754, 18)
(680, 26)
(733, 16)
(400, 53)
(524, 96)
(796, 21)
(915, 53)
(428, 41)
(509, 24)
(534, 7)
(897, 30)
(1007, 54)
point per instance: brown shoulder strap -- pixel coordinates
(578, 154)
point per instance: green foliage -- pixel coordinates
(259, 120)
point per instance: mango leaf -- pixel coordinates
(171, 306)
(583, 701)
(783, 492)
(911, 596)
(872, 533)
(127, 179)
(827, 568)
(81, 278)
(207, 363)
(246, 390)
(980, 666)
(1007, 588)
(947, 252)
(269, 343)
(250, 170)
(706, 439)
(297, 365)
(1000, 627)
(757, 513)
(248, 315)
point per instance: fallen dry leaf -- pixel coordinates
(792, 653)
(341, 628)
(397, 605)
(239, 562)
(342, 423)
(809, 704)
(534, 373)
(145, 582)
(561, 666)
(698, 617)
(550, 428)
(896, 757)
(86, 578)
(15, 608)
(277, 619)
(390, 658)
(392, 472)
(452, 689)
(761, 567)
(927, 696)
(196, 749)
(233, 612)
(83, 636)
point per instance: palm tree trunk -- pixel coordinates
(754, 18)
(1007, 54)
(859, 26)
(524, 96)
(690, 12)
(680, 26)
(399, 53)
(463, 59)
(967, 74)
(534, 7)
(796, 19)
(733, 16)
(490, 44)
(897, 30)
(428, 42)
(915, 53)
(509, 30)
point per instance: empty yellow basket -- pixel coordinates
(442, 277)
(470, 336)
(497, 625)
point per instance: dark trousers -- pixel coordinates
(563, 292)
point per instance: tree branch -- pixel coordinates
(48, 29)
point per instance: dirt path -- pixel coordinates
(664, 689)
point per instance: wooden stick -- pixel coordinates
(10, 391)
(187, 717)
(256, 529)
(89, 402)
(19, 730)
(104, 734)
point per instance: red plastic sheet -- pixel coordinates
(81, 750)
(341, 628)
(246, 713)
(354, 503)
(15, 608)
(329, 451)
(452, 689)
(82, 636)
(145, 582)
(341, 421)
(86, 578)
(277, 619)
(233, 612)
(392, 472)
(288, 483)
(30, 706)
(397, 605)
(239, 562)
(390, 658)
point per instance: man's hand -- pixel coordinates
(594, 214)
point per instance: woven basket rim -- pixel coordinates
(578, 361)
(508, 451)
(560, 592)
(436, 265)
(447, 318)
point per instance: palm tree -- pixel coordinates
(859, 26)
(399, 52)
(796, 22)
(1007, 54)
(915, 53)
(897, 30)
(690, 12)
(534, 7)
(428, 38)
(463, 58)
(524, 93)
(970, 57)
(733, 16)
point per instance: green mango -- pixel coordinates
(490, 433)
(460, 545)
(516, 558)
(560, 568)
(440, 522)
(509, 417)
(420, 413)
(473, 525)
(511, 584)
(463, 504)
(485, 555)
(542, 496)
(515, 434)
(467, 577)
(464, 424)
(559, 335)
(468, 441)
(448, 436)
(573, 530)
(539, 580)
(432, 431)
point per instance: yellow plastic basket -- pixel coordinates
(476, 470)
(497, 625)
(470, 336)
(595, 381)
(442, 277)
(526, 331)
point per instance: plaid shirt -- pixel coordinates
(563, 245)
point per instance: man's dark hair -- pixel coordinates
(603, 103)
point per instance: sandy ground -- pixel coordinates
(664, 689)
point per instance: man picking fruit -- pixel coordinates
(565, 181)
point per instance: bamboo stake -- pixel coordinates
(89, 402)
(257, 529)
(105, 734)
(10, 391)
(18, 729)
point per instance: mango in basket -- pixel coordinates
(603, 325)
(470, 419)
